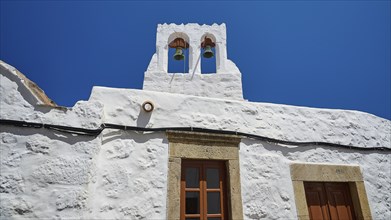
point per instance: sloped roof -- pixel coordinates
(30, 90)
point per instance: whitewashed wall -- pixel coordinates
(123, 106)
(123, 174)
(47, 174)
(44, 174)
(267, 190)
(131, 177)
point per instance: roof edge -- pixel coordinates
(38, 96)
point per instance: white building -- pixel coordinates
(187, 146)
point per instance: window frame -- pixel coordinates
(309, 172)
(202, 165)
(204, 146)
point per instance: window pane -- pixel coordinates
(214, 218)
(192, 202)
(192, 178)
(213, 202)
(192, 218)
(212, 178)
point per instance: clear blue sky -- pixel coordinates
(328, 54)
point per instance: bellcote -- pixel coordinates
(193, 39)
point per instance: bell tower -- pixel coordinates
(199, 40)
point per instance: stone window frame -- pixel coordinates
(307, 172)
(203, 146)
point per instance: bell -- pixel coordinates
(179, 54)
(208, 53)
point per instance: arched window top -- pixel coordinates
(208, 53)
(208, 35)
(178, 44)
(176, 35)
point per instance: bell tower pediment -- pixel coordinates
(191, 41)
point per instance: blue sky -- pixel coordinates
(327, 54)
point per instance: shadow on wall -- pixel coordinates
(46, 109)
(139, 138)
(51, 134)
(142, 137)
(143, 118)
(289, 151)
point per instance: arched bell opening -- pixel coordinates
(208, 55)
(178, 56)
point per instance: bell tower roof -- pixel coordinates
(226, 83)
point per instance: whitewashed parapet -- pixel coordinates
(284, 122)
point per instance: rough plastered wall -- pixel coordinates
(123, 106)
(267, 190)
(44, 174)
(51, 175)
(265, 176)
(131, 178)
(47, 174)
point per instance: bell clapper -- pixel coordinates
(208, 53)
(179, 54)
(207, 45)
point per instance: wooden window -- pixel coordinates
(329, 201)
(203, 190)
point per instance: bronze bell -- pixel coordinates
(208, 53)
(179, 54)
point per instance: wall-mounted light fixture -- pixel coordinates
(148, 106)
